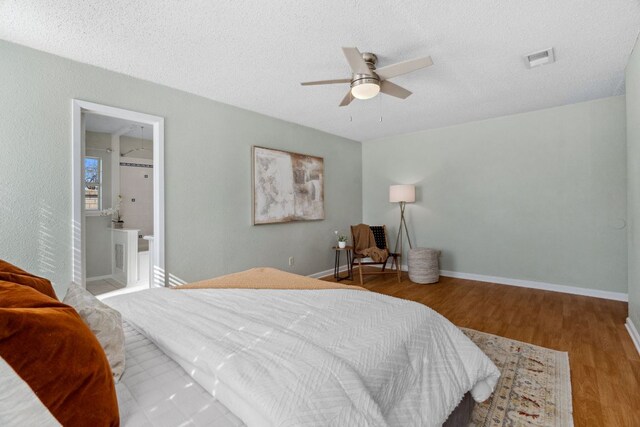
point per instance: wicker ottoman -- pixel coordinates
(423, 265)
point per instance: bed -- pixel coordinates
(259, 348)
(156, 391)
(225, 353)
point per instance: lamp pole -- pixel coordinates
(403, 225)
(402, 194)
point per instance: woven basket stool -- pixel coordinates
(423, 265)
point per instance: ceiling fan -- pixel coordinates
(367, 81)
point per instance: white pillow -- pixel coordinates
(104, 322)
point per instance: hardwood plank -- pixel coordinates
(605, 366)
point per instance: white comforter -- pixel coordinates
(315, 357)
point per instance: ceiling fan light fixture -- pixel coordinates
(367, 81)
(365, 88)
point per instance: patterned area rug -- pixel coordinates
(534, 389)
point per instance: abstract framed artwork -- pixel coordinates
(286, 186)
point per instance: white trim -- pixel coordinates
(326, 273)
(78, 108)
(96, 278)
(633, 332)
(596, 293)
(158, 206)
(77, 196)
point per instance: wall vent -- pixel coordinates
(542, 57)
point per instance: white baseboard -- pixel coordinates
(93, 279)
(633, 332)
(326, 273)
(596, 293)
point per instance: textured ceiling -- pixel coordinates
(253, 53)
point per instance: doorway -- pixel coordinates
(118, 198)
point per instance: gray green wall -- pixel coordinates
(633, 181)
(539, 196)
(207, 173)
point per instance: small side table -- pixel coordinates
(348, 250)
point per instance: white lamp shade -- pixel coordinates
(402, 193)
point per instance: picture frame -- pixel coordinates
(286, 186)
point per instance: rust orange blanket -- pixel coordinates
(265, 278)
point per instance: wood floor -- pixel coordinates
(605, 366)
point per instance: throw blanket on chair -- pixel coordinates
(365, 244)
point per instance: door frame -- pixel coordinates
(79, 108)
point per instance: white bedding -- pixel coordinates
(155, 391)
(315, 357)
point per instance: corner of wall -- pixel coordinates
(633, 333)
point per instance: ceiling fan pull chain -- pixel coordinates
(350, 100)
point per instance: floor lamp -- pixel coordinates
(402, 194)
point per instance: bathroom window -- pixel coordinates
(92, 183)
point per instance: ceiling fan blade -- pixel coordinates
(354, 58)
(347, 99)
(404, 67)
(394, 90)
(326, 82)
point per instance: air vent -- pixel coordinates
(537, 59)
